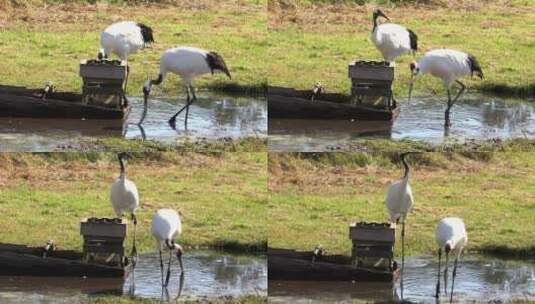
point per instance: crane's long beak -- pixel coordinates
(145, 106)
(383, 15)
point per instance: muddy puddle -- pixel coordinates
(478, 278)
(207, 274)
(210, 118)
(475, 117)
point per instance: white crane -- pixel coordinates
(450, 236)
(166, 226)
(391, 39)
(125, 199)
(448, 65)
(189, 63)
(125, 38)
(399, 202)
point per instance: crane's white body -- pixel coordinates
(166, 225)
(124, 196)
(446, 64)
(452, 231)
(122, 39)
(187, 62)
(392, 40)
(399, 200)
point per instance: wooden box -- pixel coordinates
(103, 82)
(103, 240)
(373, 244)
(371, 83)
(103, 69)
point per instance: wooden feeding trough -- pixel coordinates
(22, 260)
(373, 245)
(370, 98)
(104, 82)
(102, 96)
(286, 264)
(371, 83)
(103, 241)
(102, 256)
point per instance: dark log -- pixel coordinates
(290, 103)
(284, 264)
(23, 102)
(24, 260)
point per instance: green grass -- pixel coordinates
(248, 144)
(41, 44)
(385, 145)
(44, 196)
(314, 197)
(310, 43)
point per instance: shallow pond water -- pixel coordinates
(478, 278)
(207, 274)
(210, 118)
(474, 117)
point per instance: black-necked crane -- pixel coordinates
(391, 39)
(448, 65)
(125, 199)
(399, 202)
(125, 38)
(189, 63)
(452, 238)
(166, 225)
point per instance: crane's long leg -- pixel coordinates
(192, 89)
(438, 273)
(446, 274)
(453, 276)
(447, 113)
(463, 87)
(189, 101)
(133, 254)
(402, 254)
(161, 265)
(168, 268)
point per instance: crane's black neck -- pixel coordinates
(170, 244)
(158, 80)
(407, 168)
(121, 162)
(374, 18)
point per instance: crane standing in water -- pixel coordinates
(399, 202)
(166, 225)
(189, 63)
(448, 65)
(450, 236)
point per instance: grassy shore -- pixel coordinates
(314, 197)
(249, 144)
(123, 300)
(44, 196)
(315, 40)
(45, 40)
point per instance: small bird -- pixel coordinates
(125, 199)
(125, 38)
(189, 63)
(448, 65)
(450, 236)
(391, 39)
(317, 253)
(48, 249)
(166, 225)
(49, 89)
(399, 202)
(317, 90)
